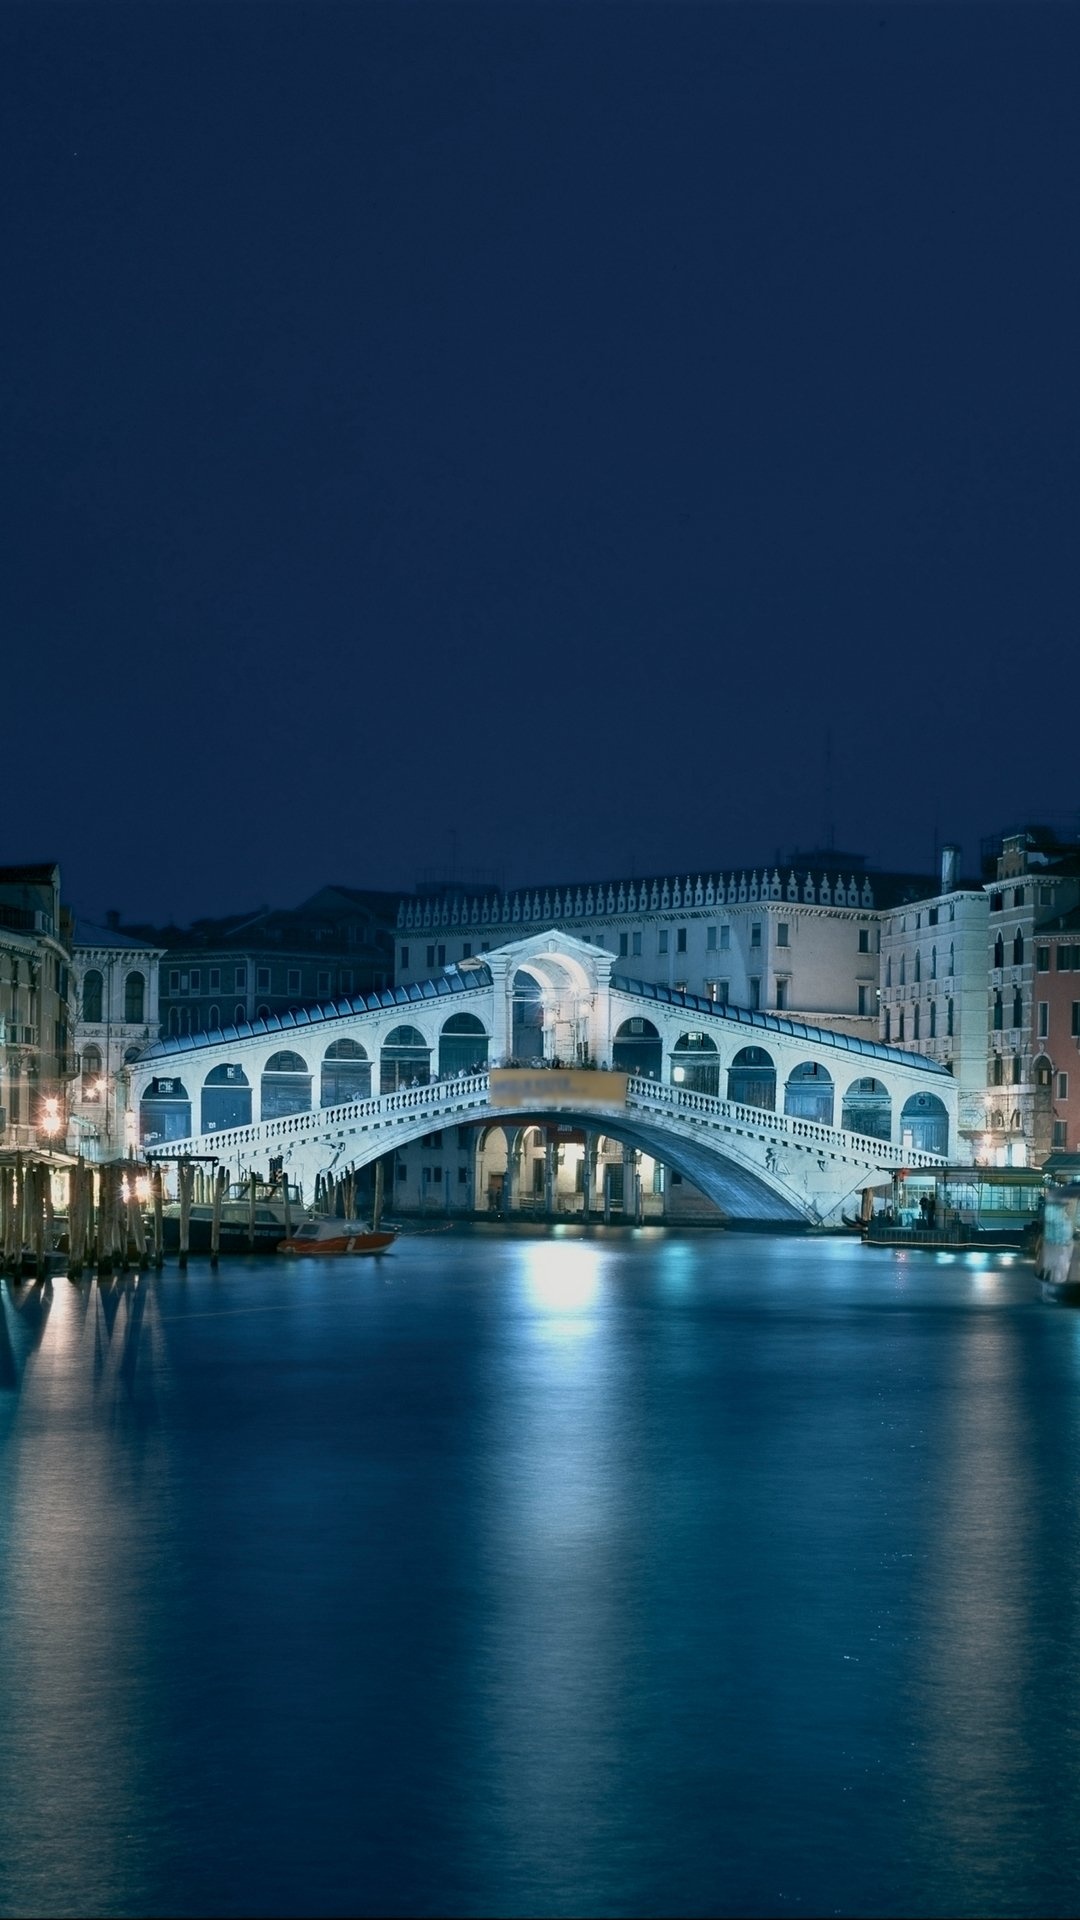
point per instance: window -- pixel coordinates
(135, 998)
(755, 993)
(662, 946)
(888, 971)
(900, 1025)
(933, 963)
(710, 939)
(442, 955)
(864, 999)
(1061, 1133)
(932, 917)
(174, 980)
(462, 1176)
(93, 988)
(1044, 1019)
(717, 990)
(404, 956)
(918, 964)
(949, 1018)
(1063, 1086)
(430, 957)
(888, 1025)
(915, 1011)
(624, 945)
(262, 979)
(240, 980)
(781, 995)
(999, 951)
(196, 979)
(239, 1014)
(293, 980)
(903, 969)
(636, 945)
(997, 902)
(999, 1010)
(1075, 1027)
(997, 1071)
(680, 939)
(466, 951)
(725, 939)
(1046, 896)
(322, 983)
(1042, 959)
(1018, 948)
(1018, 1009)
(213, 1019)
(755, 933)
(933, 1019)
(783, 934)
(1018, 896)
(1017, 1069)
(401, 1171)
(215, 979)
(864, 940)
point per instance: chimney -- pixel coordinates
(949, 858)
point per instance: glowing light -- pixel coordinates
(678, 1073)
(563, 1278)
(142, 1187)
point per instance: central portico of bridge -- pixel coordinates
(770, 1117)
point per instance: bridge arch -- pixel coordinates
(463, 1046)
(638, 1048)
(164, 1111)
(226, 1098)
(345, 1073)
(867, 1108)
(809, 1093)
(695, 1063)
(285, 1085)
(925, 1118)
(404, 1059)
(752, 1078)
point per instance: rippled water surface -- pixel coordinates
(608, 1574)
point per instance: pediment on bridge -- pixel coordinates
(555, 957)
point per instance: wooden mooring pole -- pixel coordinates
(221, 1182)
(159, 1225)
(186, 1180)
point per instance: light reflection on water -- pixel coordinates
(606, 1572)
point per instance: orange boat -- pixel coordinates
(337, 1236)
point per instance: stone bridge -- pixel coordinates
(770, 1117)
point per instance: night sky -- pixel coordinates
(517, 437)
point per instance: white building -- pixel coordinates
(806, 944)
(116, 1000)
(933, 990)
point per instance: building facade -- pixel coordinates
(36, 1053)
(116, 1017)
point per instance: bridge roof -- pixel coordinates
(775, 1023)
(442, 988)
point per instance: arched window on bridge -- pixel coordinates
(527, 1000)
(286, 1086)
(405, 1060)
(695, 1063)
(92, 993)
(924, 1124)
(226, 1099)
(135, 998)
(752, 1078)
(91, 1074)
(638, 1049)
(463, 1046)
(808, 1094)
(867, 1109)
(346, 1074)
(164, 1112)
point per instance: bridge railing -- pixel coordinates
(654, 1096)
(469, 1091)
(443, 1098)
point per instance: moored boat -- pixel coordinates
(338, 1236)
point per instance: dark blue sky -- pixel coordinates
(522, 433)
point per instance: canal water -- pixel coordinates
(609, 1573)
